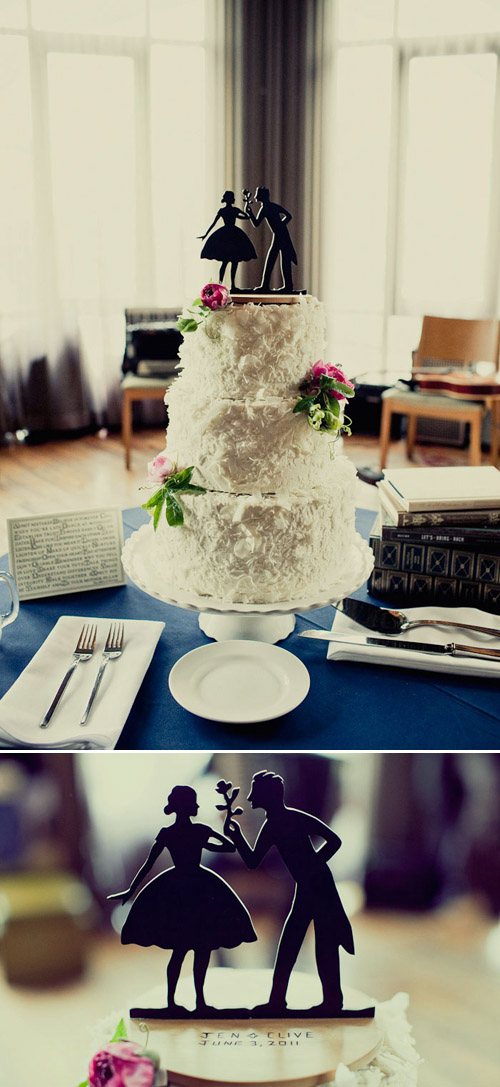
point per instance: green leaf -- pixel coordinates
(304, 403)
(344, 389)
(180, 477)
(193, 489)
(158, 496)
(84, 1084)
(157, 514)
(187, 324)
(173, 511)
(120, 1032)
(332, 405)
(330, 422)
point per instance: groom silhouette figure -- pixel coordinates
(316, 898)
(277, 218)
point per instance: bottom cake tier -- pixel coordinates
(258, 548)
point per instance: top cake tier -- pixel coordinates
(254, 351)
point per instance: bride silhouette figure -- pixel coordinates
(229, 244)
(187, 907)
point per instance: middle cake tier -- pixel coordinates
(246, 445)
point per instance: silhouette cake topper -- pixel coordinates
(189, 907)
(230, 245)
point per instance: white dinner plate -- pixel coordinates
(239, 682)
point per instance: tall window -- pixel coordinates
(413, 180)
(107, 131)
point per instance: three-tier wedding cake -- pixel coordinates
(268, 509)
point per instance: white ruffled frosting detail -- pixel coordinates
(259, 445)
(253, 351)
(396, 1061)
(260, 548)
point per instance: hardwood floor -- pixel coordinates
(89, 472)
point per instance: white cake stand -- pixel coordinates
(223, 620)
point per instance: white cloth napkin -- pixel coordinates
(402, 658)
(25, 703)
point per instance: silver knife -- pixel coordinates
(451, 648)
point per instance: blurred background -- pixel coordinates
(418, 872)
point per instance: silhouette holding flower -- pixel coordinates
(229, 244)
(277, 218)
(316, 897)
(187, 907)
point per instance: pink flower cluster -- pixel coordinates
(326, 368)
(215, 296)
(119, 1064)
(160, 468)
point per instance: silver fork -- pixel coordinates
(83, 651)
(112, 650)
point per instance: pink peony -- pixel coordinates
(321, 367)
(118, 1064)
(215, 296)
(160, 468)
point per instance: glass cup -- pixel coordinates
(7, 617)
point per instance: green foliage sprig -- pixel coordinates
(166, 496)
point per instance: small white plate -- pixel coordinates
(239, 682)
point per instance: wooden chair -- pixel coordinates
(450, 344)
(138, 388)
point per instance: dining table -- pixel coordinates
(350, 706)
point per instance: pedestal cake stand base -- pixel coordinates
(223, 620)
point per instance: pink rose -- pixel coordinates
(160, 468)
(215, 296)
(118, 1064)
(326, 368)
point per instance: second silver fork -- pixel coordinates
(112, 650)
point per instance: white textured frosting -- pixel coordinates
(259, 548)
(253, 350)
(252, 445)
(277, 521)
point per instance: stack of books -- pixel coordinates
(437, 538)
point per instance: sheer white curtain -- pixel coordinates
(109, 122)
(411, 184)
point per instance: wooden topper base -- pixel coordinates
(241, 298)
(297, 1051)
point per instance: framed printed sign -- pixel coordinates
(52, 554)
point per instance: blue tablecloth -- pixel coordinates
(350, 706)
